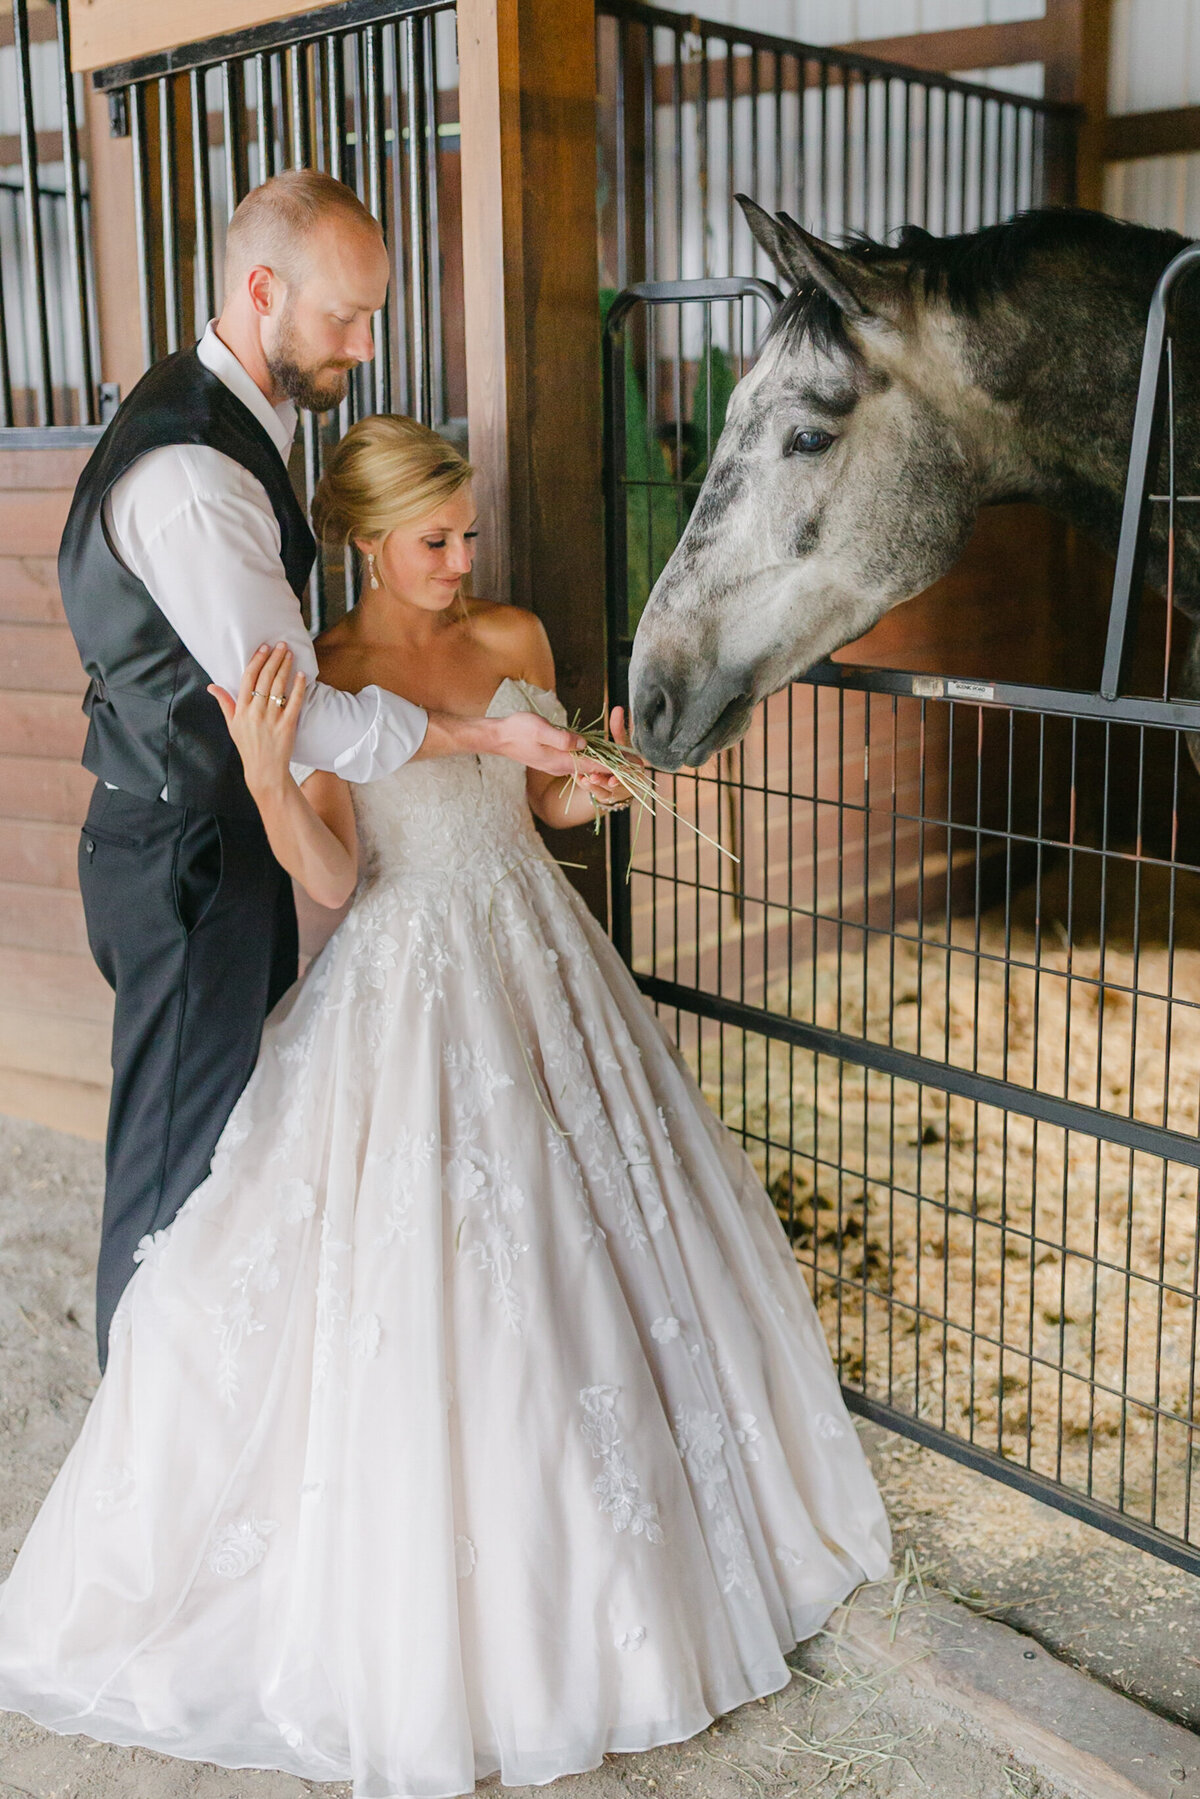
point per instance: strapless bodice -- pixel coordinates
(454, 813)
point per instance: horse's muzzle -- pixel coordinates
(674, 725)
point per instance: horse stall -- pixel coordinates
(928, 935)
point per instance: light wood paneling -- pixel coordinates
(41, 724)
(32, 849)
(105, 31)
(55, 1008)
(40, 657)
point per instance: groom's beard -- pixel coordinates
(317, 387)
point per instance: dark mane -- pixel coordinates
(978, 266)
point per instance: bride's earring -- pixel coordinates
(374, 578)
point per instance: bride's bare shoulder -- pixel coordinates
(340, 659)
(517, 638)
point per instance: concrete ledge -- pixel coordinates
(1070, 1727)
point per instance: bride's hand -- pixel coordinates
(608, 790)
(262, 720)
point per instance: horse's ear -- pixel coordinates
(807, 261)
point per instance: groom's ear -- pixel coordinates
(262, 288)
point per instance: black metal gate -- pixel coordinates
(949, 995)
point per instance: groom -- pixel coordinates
(184, 551)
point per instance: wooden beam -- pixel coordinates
(43, 28)
(1172, 132)
(49, 149)
(106, 31)
(527, 82)
(968, 47)
(1077, 44)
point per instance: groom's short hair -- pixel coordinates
(272, 225)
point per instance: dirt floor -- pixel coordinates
(838, 1730)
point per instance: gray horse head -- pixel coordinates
(843, 483)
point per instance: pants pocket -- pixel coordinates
(199, 864)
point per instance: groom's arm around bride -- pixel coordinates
(185, 549)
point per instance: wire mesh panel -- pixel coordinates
(949, 995)
(48, 352)
(367, 90)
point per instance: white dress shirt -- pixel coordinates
(197, 530)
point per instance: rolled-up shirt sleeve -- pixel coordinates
(198, 530)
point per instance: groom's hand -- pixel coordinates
(524, 737)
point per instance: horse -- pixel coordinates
(900, 388)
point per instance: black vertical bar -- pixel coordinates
(141, 216)
(335, 105)
(6, 399)
(433, 264)
(263, 119)
(234, 109)
(298, 97)
(374, 153)
(418, 219)
(75, 232)
(33, 217)
(170, 237)
(205, 297)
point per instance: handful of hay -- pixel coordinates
(638, 781)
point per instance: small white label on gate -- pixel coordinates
(969, 690)
(928, 687)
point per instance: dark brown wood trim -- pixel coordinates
(1172, 132)
(968, 47)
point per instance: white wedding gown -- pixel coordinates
(473, 1415)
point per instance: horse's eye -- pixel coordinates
(807, 442)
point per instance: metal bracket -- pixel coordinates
(118, 113)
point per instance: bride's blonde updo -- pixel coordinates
(386, 471)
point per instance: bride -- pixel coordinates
(472, 1416)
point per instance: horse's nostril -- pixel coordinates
(656, 713)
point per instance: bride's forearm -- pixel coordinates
(304, 844)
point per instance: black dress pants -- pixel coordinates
(192, 924)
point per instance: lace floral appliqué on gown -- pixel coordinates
(473, 1414)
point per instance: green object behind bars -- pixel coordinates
(659, 495)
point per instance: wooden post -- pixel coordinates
(527, 90)
(114, 246)
(1076, 63)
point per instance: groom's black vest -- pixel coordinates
(153, 724)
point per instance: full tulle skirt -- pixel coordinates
(473, 1415)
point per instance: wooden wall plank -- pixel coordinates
(44, 788)
(1173, 132)
(964, 47)
(44, 918)
(74, 1049)
(41, 724)
(31, 522)
(42, 469)
(73, 1106)
(67, 986)
(40, 657)
(29, 591)
(33, 849)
